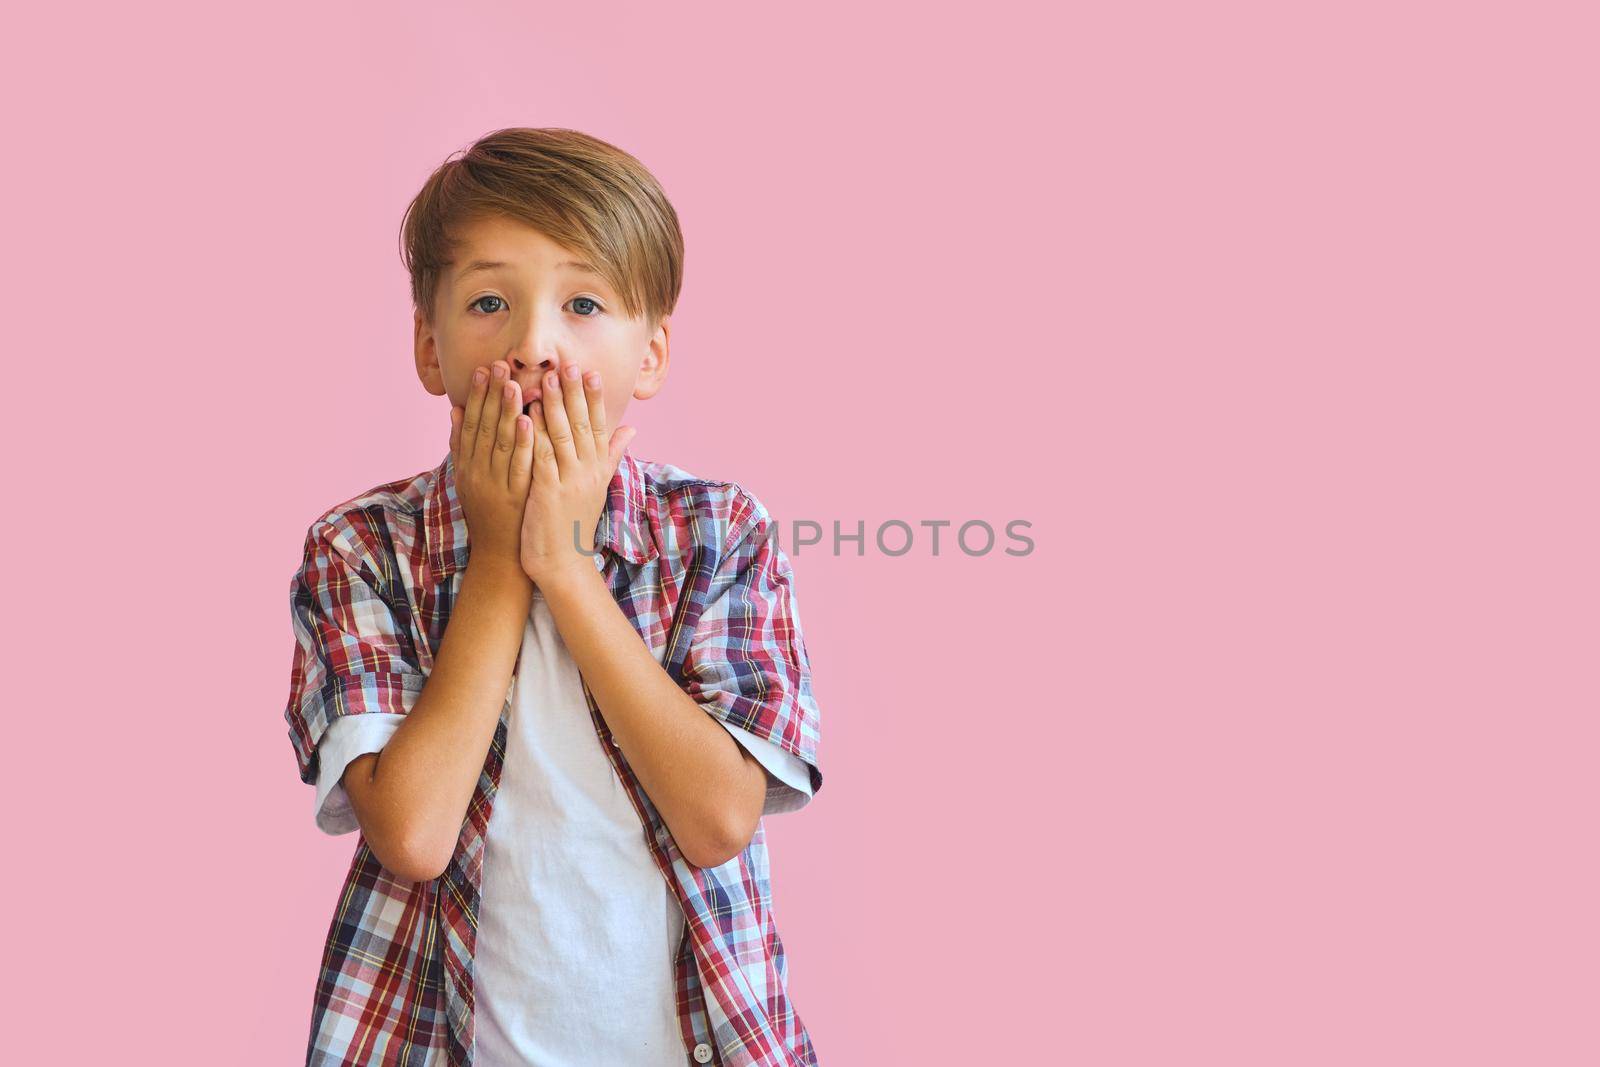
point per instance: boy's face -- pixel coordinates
(537, 314)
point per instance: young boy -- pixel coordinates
(554, 686)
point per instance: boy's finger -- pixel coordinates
(455, 433)
(555, 418)
(522, 456)
(576, 408)
(472, 414)
(505, 434)
(597, 412)
(489, 424)
(544, 453)
(621, 440)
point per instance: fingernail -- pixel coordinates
(572, 370)
(477, 376)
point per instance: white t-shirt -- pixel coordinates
(577, 928)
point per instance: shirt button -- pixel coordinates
(702, 1053)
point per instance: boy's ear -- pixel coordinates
(653, 368)
(427, 353)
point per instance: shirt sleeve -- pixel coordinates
(354, 653)
(346, 738)
(746, 663)
(788, 778)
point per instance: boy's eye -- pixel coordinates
(580, 304)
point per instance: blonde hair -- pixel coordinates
(577, 190)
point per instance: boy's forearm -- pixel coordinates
(694, 772)
(427, 772)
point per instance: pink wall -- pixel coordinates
(1279, 328)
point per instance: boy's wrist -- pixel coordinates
(559, 578)
(499, 574)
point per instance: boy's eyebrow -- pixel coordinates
(494, 264)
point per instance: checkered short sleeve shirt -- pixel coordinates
(696, 567)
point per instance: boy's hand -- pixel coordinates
(575, 457)
(492, 442)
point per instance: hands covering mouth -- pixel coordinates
(528, 473)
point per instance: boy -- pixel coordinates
(555, 687)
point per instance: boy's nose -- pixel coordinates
(530, 376)
(520, 366)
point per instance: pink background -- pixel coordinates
(1277, 325)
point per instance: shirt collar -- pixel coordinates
(623, 528)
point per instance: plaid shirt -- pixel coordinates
(693, 565)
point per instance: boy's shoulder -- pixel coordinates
(374, 523)
(715, 507)
(670, 482)
(403, 496)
